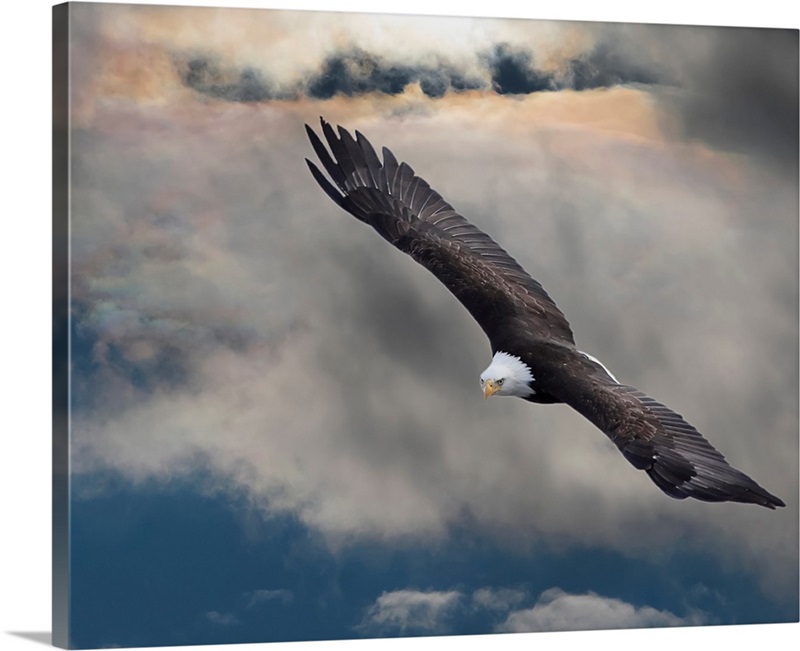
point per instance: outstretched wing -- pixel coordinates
(654, 438)
(407, 212)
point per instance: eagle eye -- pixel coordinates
(500, 382)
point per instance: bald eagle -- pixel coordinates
(535, 357)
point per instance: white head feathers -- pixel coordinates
(510, 374)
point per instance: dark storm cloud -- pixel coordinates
(743, 97)
(512, 72)
(350, 73)
(356, 72)
(604, 66)
(507, 70)
(245, 85)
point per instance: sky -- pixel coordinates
(277, 429)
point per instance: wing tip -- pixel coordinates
(329, 189)
(771, 501)
(705, 489)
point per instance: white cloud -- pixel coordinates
(407, 612)
(268, 40)
(497, 599)
(557, 610)
(223, 619)
(258, 597)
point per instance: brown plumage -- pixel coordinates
(520, 318)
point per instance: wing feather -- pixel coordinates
(654, 438)
(403, 181)
(339, 150)
(333, 170)
(483, 276)
(372, 161)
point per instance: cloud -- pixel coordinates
(222, 619)
(356, 72)
(258, 597)
(497, 599)
(229, 315)
(245, 85)
(604, 66)
(743, 96)
(513, 73)
(557, 610)
(409, 612)
(326, 374)
(503, 69)
(730, 87)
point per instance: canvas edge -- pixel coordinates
(60, 325)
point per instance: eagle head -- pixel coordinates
(507, 375)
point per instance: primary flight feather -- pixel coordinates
(535, 356)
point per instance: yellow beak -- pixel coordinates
(489, 389)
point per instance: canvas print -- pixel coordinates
(381, 325)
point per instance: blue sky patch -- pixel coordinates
(157, 563)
